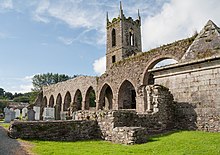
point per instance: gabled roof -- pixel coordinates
(206, 44)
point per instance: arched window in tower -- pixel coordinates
(113, 38)
(131, 37)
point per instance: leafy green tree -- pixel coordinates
(8, 95)
(24, 99)
(2, 92)
(3, 104)
(41, 80)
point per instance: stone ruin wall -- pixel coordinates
(82, 83)
(196, 89)
(55, 130)
(134, 69)
(120, 126)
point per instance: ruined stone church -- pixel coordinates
(133, 97)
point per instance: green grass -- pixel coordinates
(4, 125)
(179, 143)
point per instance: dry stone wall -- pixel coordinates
(55, 130)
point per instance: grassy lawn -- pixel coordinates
(179, 143)
(4, 125)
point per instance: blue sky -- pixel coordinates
(68, 36)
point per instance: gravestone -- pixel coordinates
(5, 109)
(63, 115)
(49, 114)
(37, 113)
(74, 116)
(24, 112)
(31, 115)
(7, 115)
(12, 114)
(17, 113)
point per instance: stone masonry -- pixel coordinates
(134, 96)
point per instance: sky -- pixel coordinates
(69, 36)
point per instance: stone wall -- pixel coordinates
(55, 130)
(134, 70)
(196, 89)
(129, 135)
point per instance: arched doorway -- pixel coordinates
(105, 98)
(51, 101)
(77, 101)
(90, 103)
(67, 101)
(156, 63)
(127, 96)
(58, 107)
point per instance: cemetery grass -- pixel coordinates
(4, 125)
(176, 143)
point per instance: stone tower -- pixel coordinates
(123, 38)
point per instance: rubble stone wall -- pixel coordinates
(55, 130)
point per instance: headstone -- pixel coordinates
(49, 114)
(7, 115)
(37, 113)
(74, 116)
(6, 109)
(12, 114)
(31, 115)
(24, 112)
(17, 113)
(63, 115)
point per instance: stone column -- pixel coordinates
(84, 105)
(141, 105)
(149, 99)
(115, 102)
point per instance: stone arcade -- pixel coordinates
(134, 99)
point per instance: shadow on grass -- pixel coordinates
(155, 137)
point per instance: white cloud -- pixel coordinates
(25, 88)
(178, 20)
(17, 84)
(66, 41)
(29, 78)
(6, 4)
(99, 65)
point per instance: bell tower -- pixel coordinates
(123, 38)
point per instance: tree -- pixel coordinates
(8, 95)
(2, 92)
(47, 79)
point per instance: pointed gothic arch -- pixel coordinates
(67, 101)
(77, 101)
(44, 104)
(51, 101)
(131, 37)
(90, 103)
(113, 37)
(58, 107)
(106, 98)
(127, 96)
